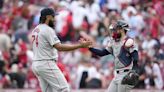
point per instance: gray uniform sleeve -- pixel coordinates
(52, 37)
(109, 46)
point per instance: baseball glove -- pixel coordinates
(131, 78)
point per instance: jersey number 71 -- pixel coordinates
(35, 38)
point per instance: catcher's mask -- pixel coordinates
(117, 29)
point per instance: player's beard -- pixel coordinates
(117, 36)
(51, 24)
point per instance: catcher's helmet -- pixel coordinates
(115, 29)
(120, 24)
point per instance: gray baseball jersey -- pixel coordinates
(115, 48)
(44, 38)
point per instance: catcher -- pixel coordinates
(125, 55)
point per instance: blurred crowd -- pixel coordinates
(75, 19)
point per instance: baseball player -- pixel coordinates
(45, 45)
(125, 58)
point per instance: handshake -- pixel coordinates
(85, 43)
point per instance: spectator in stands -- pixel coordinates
(95, 78)
(148, 45)
(5, 41)
(83, 69)
(82, 74)
(149, 81)
(1, 5)
(154, 23)
(142, 72)
(157, 76)
(159, 53)
(22, 52)
(17, 77)
(2, 69)
(154, 76)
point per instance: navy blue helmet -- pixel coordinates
(120, 24)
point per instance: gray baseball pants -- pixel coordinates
(50, 77)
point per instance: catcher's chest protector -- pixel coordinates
(121, 55)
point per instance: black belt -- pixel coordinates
(119, 71)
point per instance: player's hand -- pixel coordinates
(85, 43)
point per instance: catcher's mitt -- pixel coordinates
(131, 78)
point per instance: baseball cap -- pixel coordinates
(48, 11)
